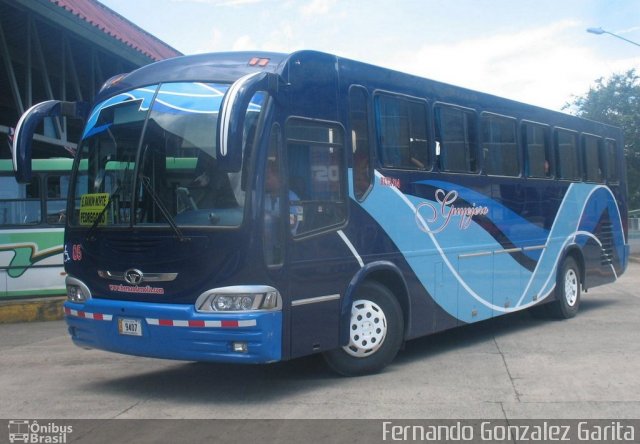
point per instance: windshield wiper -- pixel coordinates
(146, 183)
(96, 222)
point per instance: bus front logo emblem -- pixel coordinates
(133, 276)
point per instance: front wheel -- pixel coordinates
(376, 332)
(567, 290)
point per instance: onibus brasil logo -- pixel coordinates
(33, 432)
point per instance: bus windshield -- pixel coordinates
(148, 157)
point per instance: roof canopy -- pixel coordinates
(114, 25)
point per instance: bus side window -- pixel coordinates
(20, 204)
(592, 158)
(611, 163)
(499, 146)
(273, 234)
(456, 139)
(56, 199)
(316, 172)
(359, 119)
(566, 145)
(402, 132)
(537, 150)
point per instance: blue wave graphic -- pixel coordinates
(144, 95)
(462, 267)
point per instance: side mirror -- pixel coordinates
(26, 128)
(232, 115)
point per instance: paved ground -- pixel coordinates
(634, 243)
(512, 367)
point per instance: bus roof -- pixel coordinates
(220, 67)
(230, 66)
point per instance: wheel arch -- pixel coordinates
(574, 252)
(385, 273)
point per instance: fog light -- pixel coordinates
(240, 347)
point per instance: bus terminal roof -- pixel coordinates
(118, 27)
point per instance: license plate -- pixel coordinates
(131, 327)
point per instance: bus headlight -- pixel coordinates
(239, 299)
(77, 291)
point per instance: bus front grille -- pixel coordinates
(133, 245)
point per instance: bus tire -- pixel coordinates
(376, 330)
(567, 291)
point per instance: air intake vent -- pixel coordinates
(606, 237)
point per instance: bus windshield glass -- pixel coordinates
(148, 157)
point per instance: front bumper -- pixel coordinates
(176, 331)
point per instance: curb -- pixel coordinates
(32, 310)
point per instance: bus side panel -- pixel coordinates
(373, 243)
(602, 244)
(323, 266)
(520, 257)
(312, 76)
(319, 271)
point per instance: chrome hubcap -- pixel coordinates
(367, 329)
(571, 287)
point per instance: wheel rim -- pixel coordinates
(367, 329)
(571, 287)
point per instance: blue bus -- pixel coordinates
(257, 207)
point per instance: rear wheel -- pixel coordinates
(567, 290)
(375, 332)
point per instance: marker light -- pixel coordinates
(239, 299)
(112, 81)
(259, 61)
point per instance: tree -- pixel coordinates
(616, 101)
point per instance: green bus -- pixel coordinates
(32, 218)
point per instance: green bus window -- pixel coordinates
(56, 199)
(20, 204)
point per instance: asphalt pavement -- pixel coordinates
(511, 367)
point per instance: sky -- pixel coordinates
(534, 51)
